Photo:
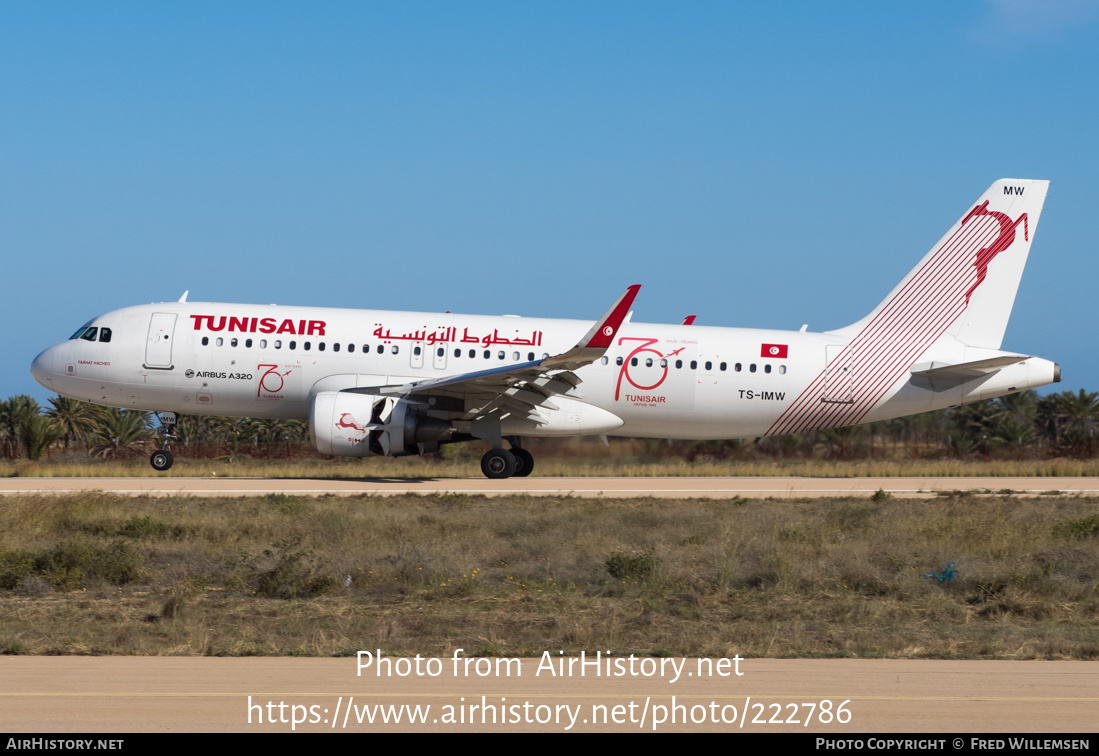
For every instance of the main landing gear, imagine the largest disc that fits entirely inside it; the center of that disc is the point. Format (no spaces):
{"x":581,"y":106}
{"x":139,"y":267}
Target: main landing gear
{"x":504,"y":463}
{"x":162,"y":459}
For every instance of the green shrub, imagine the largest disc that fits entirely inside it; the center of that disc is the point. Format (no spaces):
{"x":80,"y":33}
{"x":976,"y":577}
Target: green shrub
{"x":1085,"y":527}
{"x":145,"y":527}
{"x":633,"y":565}
{"x":296,"y":574}
{"x":14,"y":566}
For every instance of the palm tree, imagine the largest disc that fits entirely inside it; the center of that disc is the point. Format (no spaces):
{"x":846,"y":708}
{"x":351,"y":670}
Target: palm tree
{"x":38,"y":433}
{"x":121,"y":433}
{"x":1018,"y":435}
{"x":14,"y":414}
{"x":841,"y":438}
{"x":977,"y":424}
{"x":1079,"y":414}
{"x":1047,"y":418}
{"x":76,"y":418}
{"x":1020,"y":407}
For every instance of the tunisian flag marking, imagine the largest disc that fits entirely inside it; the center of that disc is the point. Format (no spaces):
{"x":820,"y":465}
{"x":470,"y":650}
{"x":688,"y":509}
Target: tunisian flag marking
{"x":774,"y":351}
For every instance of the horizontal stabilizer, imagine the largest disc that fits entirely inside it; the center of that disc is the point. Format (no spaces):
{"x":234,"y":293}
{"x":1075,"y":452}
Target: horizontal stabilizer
{"x":939,"y":376}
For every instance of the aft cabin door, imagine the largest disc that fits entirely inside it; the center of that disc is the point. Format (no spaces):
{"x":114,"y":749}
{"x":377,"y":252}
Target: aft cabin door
{"x":158,"y":350}
{"x":839,"y":375}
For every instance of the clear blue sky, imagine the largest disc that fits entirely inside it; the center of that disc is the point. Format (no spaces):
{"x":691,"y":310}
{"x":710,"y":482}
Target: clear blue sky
{"x":757,"y":164}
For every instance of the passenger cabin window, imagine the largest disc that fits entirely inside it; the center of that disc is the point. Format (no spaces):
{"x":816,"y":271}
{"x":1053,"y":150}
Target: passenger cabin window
{"x":604,"y":360}
{"x":694,"y":364}
{"x":248,"y":343}
{"x":457,"y":352}
{"x":736,"y":367}
{"x":232,"y":342}
{"x":395,"y":349}
{"x":320,"y":346}
{"x":722,"y":367}
{"x":530,"y":357}
{"x":766,"y":368}
{"x":618,"y":361}
{"x":678,"y":364}
{"x":293,"y":345}
{"x":220,"y":341}
{"x":440,"y":351}
{"x":278,"y":343}
{"x":381,"y":349}
{"x":752,"y":367}
{"x":336,"y":347}
{"x":205,"y":340}
{"x":306,"y":346}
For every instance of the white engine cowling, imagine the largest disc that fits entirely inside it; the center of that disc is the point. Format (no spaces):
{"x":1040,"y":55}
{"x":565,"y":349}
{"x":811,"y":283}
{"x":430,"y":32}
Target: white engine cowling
{"x":348,"y":424}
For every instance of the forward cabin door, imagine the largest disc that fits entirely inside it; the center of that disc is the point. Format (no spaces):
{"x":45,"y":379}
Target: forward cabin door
{"x":158,"y":349}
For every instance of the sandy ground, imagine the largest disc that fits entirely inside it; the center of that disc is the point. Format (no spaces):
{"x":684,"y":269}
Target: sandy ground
{"x":187,"y":694}
{"x":586,"y":487}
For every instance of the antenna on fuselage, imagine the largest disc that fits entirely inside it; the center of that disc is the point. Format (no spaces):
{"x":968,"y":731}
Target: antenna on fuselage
{"x":184,"y":297}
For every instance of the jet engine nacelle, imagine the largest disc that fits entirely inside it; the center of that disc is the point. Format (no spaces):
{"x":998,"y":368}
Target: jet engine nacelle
{"x":348,"y":424}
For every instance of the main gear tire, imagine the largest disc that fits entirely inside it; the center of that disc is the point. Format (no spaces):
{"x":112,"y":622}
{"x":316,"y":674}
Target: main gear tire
{"x":498,"y":464}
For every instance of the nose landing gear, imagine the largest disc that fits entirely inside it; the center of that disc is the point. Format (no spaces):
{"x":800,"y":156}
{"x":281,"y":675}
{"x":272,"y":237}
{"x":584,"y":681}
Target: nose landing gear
{"x":162,"y":459}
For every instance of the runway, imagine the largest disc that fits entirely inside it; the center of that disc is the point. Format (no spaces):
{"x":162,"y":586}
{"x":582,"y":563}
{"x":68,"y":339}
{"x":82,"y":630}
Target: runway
{"x":198,"y":694}
{"x":666,"y":488}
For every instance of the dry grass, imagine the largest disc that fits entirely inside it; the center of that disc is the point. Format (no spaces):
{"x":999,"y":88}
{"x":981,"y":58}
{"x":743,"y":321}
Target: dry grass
{"x":467,"y":465}
{"x":245,"y":576}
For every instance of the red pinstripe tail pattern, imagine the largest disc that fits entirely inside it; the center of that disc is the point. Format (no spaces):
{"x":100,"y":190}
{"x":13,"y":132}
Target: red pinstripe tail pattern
{"x":909,"y":322}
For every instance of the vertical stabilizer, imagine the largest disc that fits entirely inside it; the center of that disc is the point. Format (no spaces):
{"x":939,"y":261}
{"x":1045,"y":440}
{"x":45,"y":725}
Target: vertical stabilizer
{"x":960,"y":294}
{"x":966,"y":284}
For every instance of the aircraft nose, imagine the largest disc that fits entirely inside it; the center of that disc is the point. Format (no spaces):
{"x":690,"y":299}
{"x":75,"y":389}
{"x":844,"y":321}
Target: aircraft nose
{"x":42,"y":368}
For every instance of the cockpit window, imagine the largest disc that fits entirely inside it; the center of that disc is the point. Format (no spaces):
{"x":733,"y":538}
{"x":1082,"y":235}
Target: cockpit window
{"x":89,"y":335}
{"x":82,"y":333}
{"x":104,"y":335}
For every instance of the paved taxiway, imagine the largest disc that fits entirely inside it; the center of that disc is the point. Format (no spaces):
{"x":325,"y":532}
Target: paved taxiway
{"x":672,"y":488}
{"x":195,"y":694}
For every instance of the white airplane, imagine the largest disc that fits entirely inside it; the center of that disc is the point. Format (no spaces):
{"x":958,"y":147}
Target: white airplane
{"x":375,"y":382}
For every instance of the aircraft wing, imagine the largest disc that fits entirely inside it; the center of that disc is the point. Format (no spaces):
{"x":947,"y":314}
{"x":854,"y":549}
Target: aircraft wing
{"x":525,"y":385}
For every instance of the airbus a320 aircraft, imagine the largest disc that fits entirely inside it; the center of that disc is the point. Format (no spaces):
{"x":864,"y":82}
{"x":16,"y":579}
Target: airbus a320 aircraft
{"x":395,"y":383}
